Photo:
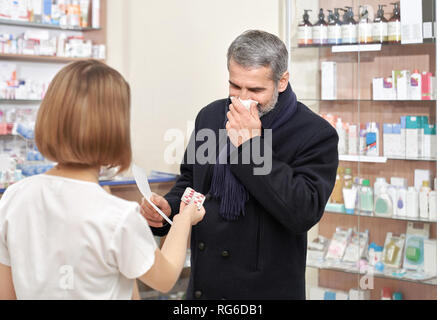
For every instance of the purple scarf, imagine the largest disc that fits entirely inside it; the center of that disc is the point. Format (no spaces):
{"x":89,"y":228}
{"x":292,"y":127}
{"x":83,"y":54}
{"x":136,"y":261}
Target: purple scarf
{"x":224,"y":185}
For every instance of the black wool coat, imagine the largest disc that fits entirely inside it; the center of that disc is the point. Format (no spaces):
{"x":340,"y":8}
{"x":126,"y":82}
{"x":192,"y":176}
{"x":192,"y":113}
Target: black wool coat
{"x":262,"y":255}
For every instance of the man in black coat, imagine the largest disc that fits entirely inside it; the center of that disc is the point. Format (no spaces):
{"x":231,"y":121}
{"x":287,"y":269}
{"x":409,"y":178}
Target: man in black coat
{"x":267,"y":183}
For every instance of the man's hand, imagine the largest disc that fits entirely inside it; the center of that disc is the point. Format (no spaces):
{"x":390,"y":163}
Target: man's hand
{"x":152,"y":216}
{"x":242,"y":124}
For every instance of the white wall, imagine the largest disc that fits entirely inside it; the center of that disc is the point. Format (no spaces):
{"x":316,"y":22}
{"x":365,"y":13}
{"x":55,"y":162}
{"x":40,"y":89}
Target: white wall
{"x":173,"y":53}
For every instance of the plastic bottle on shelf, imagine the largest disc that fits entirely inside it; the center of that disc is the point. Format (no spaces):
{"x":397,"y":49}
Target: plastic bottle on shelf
{"x":394,"y":25}
{"x":379,"y":184}
{"x":372,"y":140}
{"x":349,"y":30}
{"x":383,"y":203}
{"x":416,"y":85}
{"x":366,"y":198}
{"x":337,"y":193}
{"x":365,"y":26}
{"x":362,"y":140}
{"x":412,"y":203}
{"x":424,"y":200}
{"x":393,"y":193}
{"x":401,"y":202}
{"x":342,"y":143}
{"x":380,"y":26}
{"x":348,"y":180}
{"x":320,"y":30}
{"x":433,"y":205}
{"x":305,"y":31}
{"x":334,"y":28}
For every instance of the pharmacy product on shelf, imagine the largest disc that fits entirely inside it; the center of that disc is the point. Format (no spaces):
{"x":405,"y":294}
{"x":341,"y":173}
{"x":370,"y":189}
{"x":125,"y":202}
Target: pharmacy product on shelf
{"x":338,"y":244}
{"x":305,"y":30}
{"x":416,"y":85}
{"x":432,"y":202}
{"x":414,"y":246}
{"x":372,"y":139}
{"x":365,"y":26}
{"x":329,"y":80}
{"x":357,"y":247}
{"x":412,"y":203}
{"x":366,"y":198}
{"x":380,"y":26}
{"x":424,"y":200}
{"x":383,"y":203}
{"x":349,"y":28}
{"x":65,"y":13}
{"x":393,"y":250}
{"x":394,"y":25}
{"x":334,"y":28}
{"x":320,"y":30}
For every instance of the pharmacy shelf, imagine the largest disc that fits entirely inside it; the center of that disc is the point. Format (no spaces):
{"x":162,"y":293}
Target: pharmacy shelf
{"x":43,"y":26}
{"x":35,"y":58}
{"x":19,"y":101}
{"x":381,"y":217}
{"x":387,"y":274}
{"x":340,"y":48}
{"x":370,"y":159}
{"x":363,"y":100}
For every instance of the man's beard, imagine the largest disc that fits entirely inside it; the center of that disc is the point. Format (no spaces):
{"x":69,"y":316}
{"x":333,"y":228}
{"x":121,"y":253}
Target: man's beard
{"x":269,"y":106}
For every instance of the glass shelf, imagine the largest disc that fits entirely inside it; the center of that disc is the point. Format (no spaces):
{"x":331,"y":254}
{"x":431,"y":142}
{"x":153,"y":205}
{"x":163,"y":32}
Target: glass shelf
{"x":51,"y":59}
{"x":362,"y":100}
{"x":44,"y":26}
{"x":18,"y":101}
{"x":380,"y":217}
{"x":356,"y":47}
{"x":368,"y":159}
{"x":349,"y":268}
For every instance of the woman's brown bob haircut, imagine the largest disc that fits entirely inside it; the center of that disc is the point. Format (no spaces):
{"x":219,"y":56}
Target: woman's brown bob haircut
{"x":84,"y":119}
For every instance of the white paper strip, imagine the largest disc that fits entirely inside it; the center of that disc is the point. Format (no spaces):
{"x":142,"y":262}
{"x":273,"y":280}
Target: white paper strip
{"x":140,"y":176}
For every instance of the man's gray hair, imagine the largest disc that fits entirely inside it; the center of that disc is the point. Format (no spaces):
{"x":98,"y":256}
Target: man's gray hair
{"x":255,"y":48}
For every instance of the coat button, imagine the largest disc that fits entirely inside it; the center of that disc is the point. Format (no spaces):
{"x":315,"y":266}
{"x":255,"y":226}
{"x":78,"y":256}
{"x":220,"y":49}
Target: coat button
{"x":201,"y":246}
{"x":225,"y":254}
{"x":198,"y":294}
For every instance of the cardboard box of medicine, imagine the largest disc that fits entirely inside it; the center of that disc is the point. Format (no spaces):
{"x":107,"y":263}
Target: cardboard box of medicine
{"x":420,"y":176}
{"x":413,"y":142}
{"x":403,"y":150}
{"x":377,"y":88}
{"x":389,"y":89}
{"x":398,"y":149}
{"x":387,"y":139}
{"x":403,"y":83}
{"x":317,"y":293}
{"x":429,"y":145}
{"x":411,"y":21}
{"x":329,"y":80}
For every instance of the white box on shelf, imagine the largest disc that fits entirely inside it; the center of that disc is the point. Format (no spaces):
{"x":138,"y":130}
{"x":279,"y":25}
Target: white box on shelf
{"x":411,"y":22}
{"x":430,"y":256}
{"x":420,"y":176}
{"x":403,"y":83}
{"x":413,"y":142}
{"x":378,"y":88}
{"x":317,"y":293}
{"x":359,"y":294}
{"x":387,"y":139}
{"x":329,"y":80}
{"x":95,"y":14}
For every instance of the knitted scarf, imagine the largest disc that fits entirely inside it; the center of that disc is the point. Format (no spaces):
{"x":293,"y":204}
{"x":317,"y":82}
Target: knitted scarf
{"x":224,"y":186}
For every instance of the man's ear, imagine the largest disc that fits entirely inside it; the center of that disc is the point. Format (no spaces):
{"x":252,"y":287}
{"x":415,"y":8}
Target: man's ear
{"x":283,"y":82}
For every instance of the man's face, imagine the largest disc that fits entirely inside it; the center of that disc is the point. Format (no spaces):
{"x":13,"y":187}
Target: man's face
{"x":253,"y":84}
